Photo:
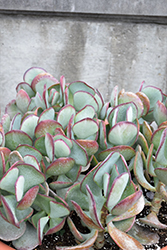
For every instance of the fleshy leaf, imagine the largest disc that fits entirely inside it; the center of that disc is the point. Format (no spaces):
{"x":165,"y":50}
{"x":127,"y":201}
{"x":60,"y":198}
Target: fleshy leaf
{"x":156,"y":137}
{"x":85,"y":128}
{"x":92,"y":208}
{"x":147,"y":132}
{"x":149,"y":161}
{"x":46,"y":126}
{"x":29,"y":150}
{"x":56,"y":224}
{"x":74,"y":230}
{"x":105,"y":166}
{"x":87,"y":111}
{"x":2,"y":165}
{"x":49,"y":146}
{"x":40,"y":229}
{"x":43,"y":201}
{"x":9,"y":204}
{"x":74,"y":194}
{"x":143,"y":234}
{"x":28,"y":240}
{"x":39,"y":101}
{"x":31,"y":73}
{"x":27,"y":170}
{"x":142,"y":142}
{"x":74,"y":173}
{"x":90,"y":146}
{"x":29,"y":124}
{"x":5,"y":120}
{"x":25,"y":214}
{"x":11,"y":109}
{"x":123,"y":112}
{"x":55,"y":95}
{"x":125,"y":97}
{"x":41,"y":80}
{"x":61,"y":148}
{"x":125,"y":225}
{"x":22,"y":100}
{"x":25,"y":86}
{"x":8,"y":181}
{"x":16,"y":137}
{"x":28,"y":198}
{"x":65,"y":114}
{"x":161,"y":173}
{"x":83,"y":98}
{"x":96,"y":190}
{"x":102,"y":135}
{"x":78,"y":153}
{"x":123,"y":133}
{"x":64,"y":138}
{"x":160,"y":112}
{"x":127,"y":152}
{"x":39,"y":144}
{"x":32,"y":160}
{"x":123,"y":240}
{"x":78,"y":86}
{"x":154,"y":94}
{"x":58,"y":209}
{"x":16,"y":122}
{"x":2,"y":139}
{"x":6,"y":152}
{"x":161,"y":155}
{"x":139,"y":173}
{"x":60,"y":166}
{"x":103,"y":112}
{"x":62,"y":182}
{"x":7,"y":227}
{"x":45,"y":96}
{"x":145,"y":101}
{"x":47,"y":114}
{"x":132,"y":211}
{"x":152,"y":220}
{"x":19,"y":188}
{"x":117,"y":189}
{"x":86,"y":219}
{"x":126,"y":203}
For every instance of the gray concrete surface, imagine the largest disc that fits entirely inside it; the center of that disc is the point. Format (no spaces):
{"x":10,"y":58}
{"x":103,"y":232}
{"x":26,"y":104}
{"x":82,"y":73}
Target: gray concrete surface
{"x":121,"y":7}
{"x":103,"y":52}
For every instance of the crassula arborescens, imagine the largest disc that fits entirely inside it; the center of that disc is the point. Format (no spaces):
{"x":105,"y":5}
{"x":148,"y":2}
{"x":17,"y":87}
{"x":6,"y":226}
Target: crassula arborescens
{"x":63,"y":149}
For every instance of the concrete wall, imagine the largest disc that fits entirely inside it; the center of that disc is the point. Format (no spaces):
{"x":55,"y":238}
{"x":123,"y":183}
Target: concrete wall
{"x":104,"y":43}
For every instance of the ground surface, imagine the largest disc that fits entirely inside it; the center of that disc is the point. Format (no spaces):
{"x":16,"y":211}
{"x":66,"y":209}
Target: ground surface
{"x":66,"y":238}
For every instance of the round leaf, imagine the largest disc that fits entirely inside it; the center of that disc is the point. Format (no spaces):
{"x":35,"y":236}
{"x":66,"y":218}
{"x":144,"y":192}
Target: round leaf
{"x":30,"y":74}
{"x":22,"y":100}
{"x":82,"y":98}
{"x":61,"y":148}
{"x":46,"y":126}
{"x":9,"y":232}
{"x":29,"y":124}
{"x":65,"y":114}
{"x":85,"y":128}
{"x":16,"y":137}
{"x":60,"y":166}
{"x":123,"y":133}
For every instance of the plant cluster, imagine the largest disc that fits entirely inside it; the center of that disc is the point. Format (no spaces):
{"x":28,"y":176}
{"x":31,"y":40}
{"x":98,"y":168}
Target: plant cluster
{"x":63,"y":149}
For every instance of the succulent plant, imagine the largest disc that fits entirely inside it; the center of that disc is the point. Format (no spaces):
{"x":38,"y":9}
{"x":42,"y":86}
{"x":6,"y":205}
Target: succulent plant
{"x":63,"y":149}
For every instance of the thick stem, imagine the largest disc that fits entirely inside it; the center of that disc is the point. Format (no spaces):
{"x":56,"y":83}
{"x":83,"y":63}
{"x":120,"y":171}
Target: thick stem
{"x":156,"y":202}
{"x":100,"y":238}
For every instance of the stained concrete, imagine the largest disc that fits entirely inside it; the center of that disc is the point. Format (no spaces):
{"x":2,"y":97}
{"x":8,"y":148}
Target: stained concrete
{"x":103,"y":52}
